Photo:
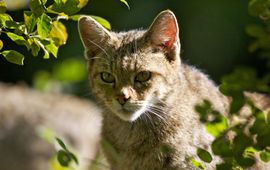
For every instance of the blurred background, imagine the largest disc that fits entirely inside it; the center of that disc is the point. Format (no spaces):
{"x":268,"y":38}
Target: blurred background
{"x":212,"y":34}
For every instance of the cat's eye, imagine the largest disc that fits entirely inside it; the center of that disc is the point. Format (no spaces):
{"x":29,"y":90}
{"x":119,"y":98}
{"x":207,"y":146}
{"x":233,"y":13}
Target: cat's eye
{"x":143,"y":76}
{"x":107,"y":77}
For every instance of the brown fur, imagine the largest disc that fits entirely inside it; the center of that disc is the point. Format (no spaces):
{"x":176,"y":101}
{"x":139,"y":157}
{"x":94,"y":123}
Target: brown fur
{"x":157,"y":113}
{"x":174,"y":89}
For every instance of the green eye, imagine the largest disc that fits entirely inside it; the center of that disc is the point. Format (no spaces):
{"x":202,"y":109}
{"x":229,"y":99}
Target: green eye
{"x":107,"y":77}
{"x":143,"y":76}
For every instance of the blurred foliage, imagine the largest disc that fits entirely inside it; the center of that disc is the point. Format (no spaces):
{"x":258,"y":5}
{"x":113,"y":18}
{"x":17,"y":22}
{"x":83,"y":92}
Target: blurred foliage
{"x":64,"y":158}
{"x":63,"y":77}
{"x":260,"y":32}
{"x":248,"y":138}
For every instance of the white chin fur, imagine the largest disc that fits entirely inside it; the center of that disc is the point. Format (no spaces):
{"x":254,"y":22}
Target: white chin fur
{"x":132,"y":117}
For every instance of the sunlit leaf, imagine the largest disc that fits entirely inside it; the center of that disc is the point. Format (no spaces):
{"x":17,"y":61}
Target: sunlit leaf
{"x":13,"y":56}
{"x":250,"y":152}
{"x":197,"y":164}
{"x":35,"y":48}
{"x":63,"y":158}
{"x":1,"y":44}
{"x":125,"y":2}
{"x":265,"y":156}
{"x":55,"y":165}
{"x":3,"y":6}
{"x":217,"y":128}
{"x":204,"y":155}
{"x":102,"y":21}
{"x":29,"y":20}
{"x":46,"y":53}
{"x":44,"y":25}
{"x":83,"y":3}
{"x":50,"y":47}
{"x":46,"y":134}
{"x":69,"y":7}
{"x":59,"y":33}
{"x":75,"y":17}
{"x":4,"y":18}
{"x":16,"y":38}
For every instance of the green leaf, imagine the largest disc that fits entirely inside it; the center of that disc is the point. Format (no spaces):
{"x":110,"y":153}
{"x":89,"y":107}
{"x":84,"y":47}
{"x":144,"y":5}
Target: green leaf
{"x":125,"y":2}
{"x":1,"y":44}
{"x":37,"y":7}
{"x":44,"y":26}
{"x":59,"y":33}
{"x":217,"y":128}
{"x":4,"y":18}
{"x":74,"y":158}
{"x":197,"y":164}
{"x":50,"y":47}
{"x":40,"y":44}
{"x":221,"y":147}
{"x":260,"y":125}
{"x":68,"y":7}
{"x":265,"y":156}
{"x":224,"y":166}
{"x":75,"y":17}
{"x":13,"y":56}
{"x":245,"y":162}
{"x":3,"y":6}
{"x":241,"y":142}
{"x":35,"y":48}
{"x":30,"y":21}
{"x":259,"y":8}
{"x":16,"y":38}
{"x":102,"y":21}
{"x":255,"y":31}
{"x":204,"y":155}
{"x":63,"y":158}
{"x":62,"y":144}
{"x":250,"y":152}
{"x":204,"y":109}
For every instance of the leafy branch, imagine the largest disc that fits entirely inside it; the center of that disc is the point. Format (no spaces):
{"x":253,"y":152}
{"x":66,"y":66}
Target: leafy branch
{"x":41,"y":29}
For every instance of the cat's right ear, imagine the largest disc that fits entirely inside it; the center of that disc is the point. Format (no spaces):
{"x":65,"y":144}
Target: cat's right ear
{"x":93,"y":35}
{"x":163,"y":34}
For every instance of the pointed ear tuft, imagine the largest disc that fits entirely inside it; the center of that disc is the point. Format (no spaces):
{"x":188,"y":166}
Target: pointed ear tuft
{"x":163,"y":33}
{"x":93,"y":35}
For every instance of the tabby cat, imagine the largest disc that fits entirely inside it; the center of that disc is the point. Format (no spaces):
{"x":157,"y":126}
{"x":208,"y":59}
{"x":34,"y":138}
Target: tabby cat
{"x":148,"y":95}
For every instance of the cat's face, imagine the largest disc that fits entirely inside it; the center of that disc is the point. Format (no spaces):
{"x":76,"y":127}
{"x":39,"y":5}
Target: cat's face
{"x":132,"y":73}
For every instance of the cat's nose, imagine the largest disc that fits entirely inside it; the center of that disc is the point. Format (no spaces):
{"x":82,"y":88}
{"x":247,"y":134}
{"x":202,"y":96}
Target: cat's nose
{"x":122,"y":99}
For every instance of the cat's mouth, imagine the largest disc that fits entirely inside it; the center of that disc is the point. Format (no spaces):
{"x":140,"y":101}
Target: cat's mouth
{"x":129,"y":112}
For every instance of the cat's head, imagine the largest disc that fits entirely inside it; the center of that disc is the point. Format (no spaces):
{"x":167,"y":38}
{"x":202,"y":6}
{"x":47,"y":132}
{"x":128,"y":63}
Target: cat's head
{"x":133,"y":73}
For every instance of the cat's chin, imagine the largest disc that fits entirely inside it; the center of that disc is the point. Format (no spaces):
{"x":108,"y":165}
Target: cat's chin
{"x":130,"y":115}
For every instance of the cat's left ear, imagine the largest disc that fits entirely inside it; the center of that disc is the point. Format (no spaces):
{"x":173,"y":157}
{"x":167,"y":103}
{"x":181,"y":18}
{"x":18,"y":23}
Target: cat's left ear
{"x":163,"y":34}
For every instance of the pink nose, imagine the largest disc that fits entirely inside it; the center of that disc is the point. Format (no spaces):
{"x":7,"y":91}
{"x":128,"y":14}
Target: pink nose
{"x":122,"y":99}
